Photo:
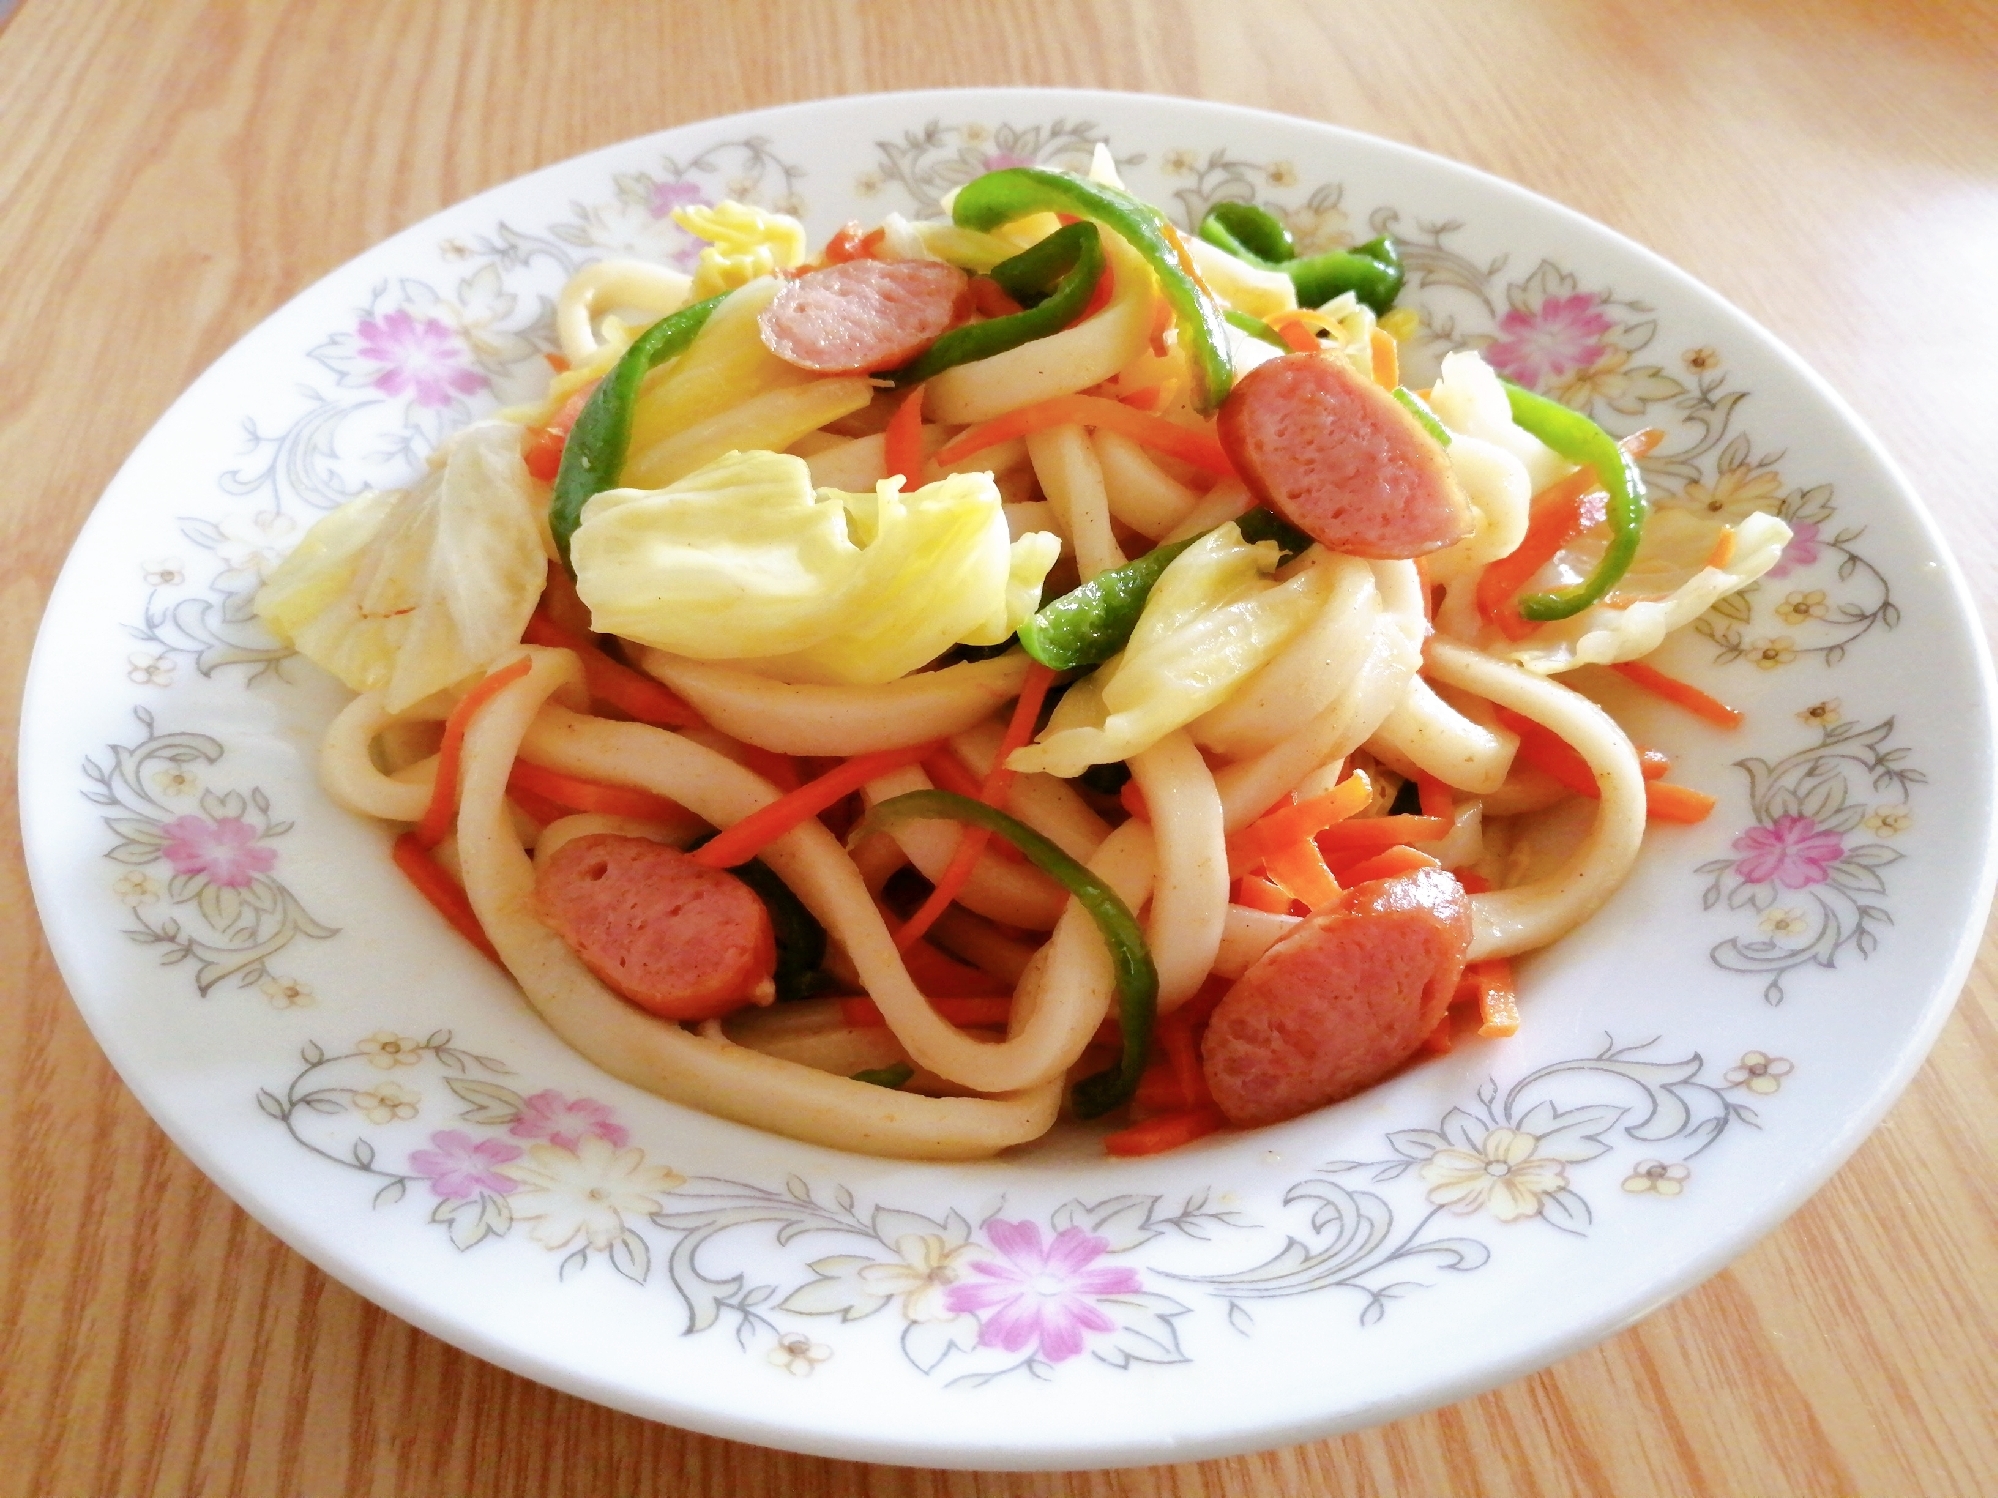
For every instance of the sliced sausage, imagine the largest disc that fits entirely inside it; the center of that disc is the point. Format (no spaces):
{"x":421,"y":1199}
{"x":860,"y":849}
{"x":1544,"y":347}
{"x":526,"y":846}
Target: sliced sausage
{"x":1341,"y":1001}
{"x":864,"y":315}
{"x":675,"y":937}
{"x":1339,"y":458}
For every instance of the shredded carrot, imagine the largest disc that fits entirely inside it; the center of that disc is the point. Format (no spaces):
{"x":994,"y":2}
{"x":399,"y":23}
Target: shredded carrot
{"x":779,"y":769}
{"x":971,"y":842}
{"x":1132,"y":799}
{"x":1168,"y":1131}
{"x":442,"y":891}
{"x":1682,"y":694}
{"x":747,"y":838}
{"x":535,"y":805}
{"x":903,"y":441}
{"x":1400,"y":859}
{"x":1292,"y":824}
{"x":1369,"y":835}
{"x":632,"y":693}
{"x":1664,"y":802}
{"x":557,"y":362}
{"x":443,"y":807}
{"x":1148,"y":399}
{"x":579,"y":794}
{"x":1653,"y":764}
{"x":1186,"y":261}
{"x":1723,"y":551}
{"x":1438,"y":800}
{"x":1547,"y":751}
{"x":990,"y":298}
{"x":542,"y":451}
{"x":1200,"y":448}
{"x":1561,"y":512}
{"x":1498,"y":998}
{"x":1387,"y":359}
{"x":1162,"y":321}
{"x":1296,"y":336}
{"x":1257,"y":893}
{"x":990,"y":1011}
{"x":1474,"y":884}
{"x":1299,"y":869}
{"x":951,"y":774}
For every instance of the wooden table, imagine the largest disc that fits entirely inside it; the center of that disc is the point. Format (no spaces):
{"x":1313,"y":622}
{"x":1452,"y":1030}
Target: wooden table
{"x":171,"y":170}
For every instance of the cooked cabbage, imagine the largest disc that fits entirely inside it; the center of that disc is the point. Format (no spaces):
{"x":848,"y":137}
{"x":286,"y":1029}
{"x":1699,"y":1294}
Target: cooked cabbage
{"x":416,"y":590}
{"x":1214,"y":616}
{"x":744,"y":561}
{"x":1469,"y":399}
{"x":743,"y":243}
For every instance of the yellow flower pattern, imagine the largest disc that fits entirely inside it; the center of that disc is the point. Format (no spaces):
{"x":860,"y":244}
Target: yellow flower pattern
{"x":387,"y":1102}
{"x":1656,"y":1178}
{"x":1759,"y":1072}
{"x":1504,"y":1175}
{"x":1768,"y":654}
{"x":387,"y":1050}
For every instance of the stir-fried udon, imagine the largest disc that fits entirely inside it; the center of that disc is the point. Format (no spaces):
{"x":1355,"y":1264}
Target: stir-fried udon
{"x":1023,"y":662}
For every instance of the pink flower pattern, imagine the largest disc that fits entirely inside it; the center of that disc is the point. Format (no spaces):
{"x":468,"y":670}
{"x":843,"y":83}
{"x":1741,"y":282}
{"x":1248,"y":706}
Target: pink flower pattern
{"x":999,"y":161}
{"x":1564,"y":335}
{"x":459,"y":1167}
{"x":1793,"y":852}
{"x":419,"y":357}
{"x":567,"y":1122}
{"x":1040,"y":1294}
{"x":223,"y":851}
{"x":1801,"y":551}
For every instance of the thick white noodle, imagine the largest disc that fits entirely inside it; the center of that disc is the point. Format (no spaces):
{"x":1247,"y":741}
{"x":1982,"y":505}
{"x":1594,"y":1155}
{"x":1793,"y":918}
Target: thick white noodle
{"x":854,"y":465}
{"x":1304,"y":677}
{"x":793,"y":718}
{"x":702,"y":1071}
{"x":1246,"y":935}
{"x":1142,"y":495}
{"x":1065,"y":463}
{"x":1249,"y":788}
{"x":1225,"y":501}
{"x":1074,"y":971}
{"x":1084,"y":355}
{"x":608,"y":286}
{"x":1016,"y":893}
{"x":1531,"y":915}
{"x":1432,"y":735}
{"x":1190,"y":891}
{"x":347,"y":770}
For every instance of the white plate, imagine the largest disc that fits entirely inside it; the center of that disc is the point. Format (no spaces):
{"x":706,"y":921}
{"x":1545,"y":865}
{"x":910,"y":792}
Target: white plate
{"x":1694,"y":1063}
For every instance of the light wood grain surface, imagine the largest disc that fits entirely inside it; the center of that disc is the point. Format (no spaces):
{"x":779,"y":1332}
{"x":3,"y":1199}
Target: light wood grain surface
{"x":171,"y":170}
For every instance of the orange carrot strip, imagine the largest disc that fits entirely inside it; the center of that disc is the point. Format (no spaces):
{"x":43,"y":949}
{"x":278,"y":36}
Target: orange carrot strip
{"x":1257,"y":893}
{"x":1438,"y":800}
{"x":779,"y":769}
{"x":951,"y":774}
{"x":1148,"y":399}
{"x":542,"y":451}
{"x":1296,"y":337}
{"x":971,"y":842}
{"x":1397,"y":860}
{"x":747,"y":838}
{"x":1543,"y":749}
{"x":1166,"y":1132}
{"x":1681,"y":693}
{"x":1299,"y":869}
{"x":1132,"y":799}
{"x":442,"y":891}
{"x":535,"y":805}
{"x":1654,"y":764}
{"x":1290,"y":824}
{"x":443,"y":807}
{"x":991,"y":1011}
{"x":1441,"y":1040}
{"x":1474,"y":884}
{"x":1561,"y":512}
{"x":1664,"y":802}
{"x":1387,"y":359}
{"x":1200,"y":448}
{"x":632,"y":693}
{"x":991,"y":299}
{"x":903,"y":441}
{"x":1498,"y":998}
{"x":579,"y":794}
{"x":1369,"y":835}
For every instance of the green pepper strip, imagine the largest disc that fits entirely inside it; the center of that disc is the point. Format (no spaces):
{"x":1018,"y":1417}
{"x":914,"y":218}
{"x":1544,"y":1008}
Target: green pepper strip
{"x":893,"y":1077}
{"x":593,"y":457}
{"x":1075,"y":254}
{"x":997,"y":198}
{"x":1417,"y":407}
{"x":1580,"y":440}
{"x":1372,"y":271}
{"x":1255,"y":327}
{"x":1089,"y":624}
{"x":1137,"y":978}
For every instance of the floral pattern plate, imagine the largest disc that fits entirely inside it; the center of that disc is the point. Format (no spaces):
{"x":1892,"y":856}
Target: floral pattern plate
{"x":1694,"y":1063}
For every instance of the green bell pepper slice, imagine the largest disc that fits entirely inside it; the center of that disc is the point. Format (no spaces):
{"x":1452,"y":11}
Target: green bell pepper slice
{"x":1372,"y":271}
{"x":593,"y":457}
{"x":997,"y":198}
{"x":1071,"y":258}
{"x":1580,"y":440}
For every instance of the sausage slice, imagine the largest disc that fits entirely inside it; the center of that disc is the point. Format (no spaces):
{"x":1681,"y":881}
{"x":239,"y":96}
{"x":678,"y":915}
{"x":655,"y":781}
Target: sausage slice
{"x":1340,"y":1002}
{"x":864,"y":315}
{"x":675,"y":937}
{"x":1338,"y":457}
